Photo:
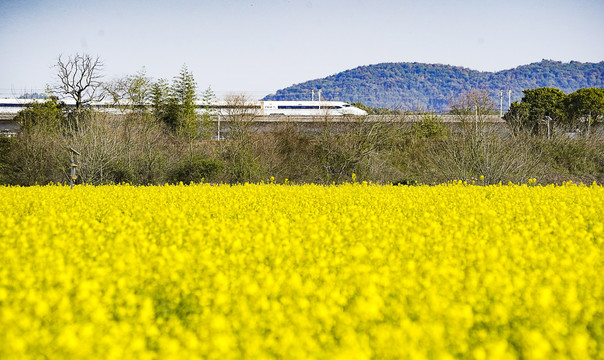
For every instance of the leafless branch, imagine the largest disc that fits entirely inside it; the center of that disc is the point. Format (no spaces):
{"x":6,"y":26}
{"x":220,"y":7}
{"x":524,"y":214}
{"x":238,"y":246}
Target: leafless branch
{"x":79,"y":78}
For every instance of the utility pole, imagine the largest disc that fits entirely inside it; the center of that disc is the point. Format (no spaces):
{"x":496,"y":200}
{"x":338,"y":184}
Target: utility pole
{"x":74,"y":165}
{"x":312,"y":95}
{"x":476,"y":119}
{"x":500,"y":103}
{"x":319,"y":99}
{"x":547,"y":120}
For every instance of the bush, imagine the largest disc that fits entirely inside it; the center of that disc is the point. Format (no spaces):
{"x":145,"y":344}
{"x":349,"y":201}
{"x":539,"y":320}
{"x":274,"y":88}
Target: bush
{"x":194,"y":169}
{"x":242,"y":164}
{"x":120,"y":173}
{"x":469,"y":156}
{"x":579,"y":157}
{"x":429,"y":127}
{"x":405,"y":182}
{"x":5,"y":166}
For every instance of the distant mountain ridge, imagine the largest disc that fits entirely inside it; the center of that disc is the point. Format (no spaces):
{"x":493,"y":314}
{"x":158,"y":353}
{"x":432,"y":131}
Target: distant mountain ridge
{"x":420,"y":86}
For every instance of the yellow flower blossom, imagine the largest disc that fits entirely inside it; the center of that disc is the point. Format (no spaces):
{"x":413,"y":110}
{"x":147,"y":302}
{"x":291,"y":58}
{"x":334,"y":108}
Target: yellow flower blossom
{"x":353,"y":271}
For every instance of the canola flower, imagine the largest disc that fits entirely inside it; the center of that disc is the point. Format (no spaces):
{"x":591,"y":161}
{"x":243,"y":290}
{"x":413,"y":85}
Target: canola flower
{"x":353,"y":271}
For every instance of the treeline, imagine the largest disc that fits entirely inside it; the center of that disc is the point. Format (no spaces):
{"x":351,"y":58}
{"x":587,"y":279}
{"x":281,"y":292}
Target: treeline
{"x":433,"y":87}
{"x":575,"y":112}
{"x":138,"y":147}
{"x":156,"y":137}
{"x":168,"y":142}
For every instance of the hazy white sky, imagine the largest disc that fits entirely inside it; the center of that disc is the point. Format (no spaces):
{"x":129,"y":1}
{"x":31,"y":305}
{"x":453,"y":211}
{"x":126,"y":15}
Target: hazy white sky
{"x":260,"y":46}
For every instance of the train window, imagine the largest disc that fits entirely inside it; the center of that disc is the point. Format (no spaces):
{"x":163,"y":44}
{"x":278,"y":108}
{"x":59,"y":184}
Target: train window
{"x":304,"y":107}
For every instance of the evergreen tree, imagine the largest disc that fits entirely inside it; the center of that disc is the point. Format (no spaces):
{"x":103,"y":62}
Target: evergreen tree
{"x":585,"y":105}
{"x":184,"y":97}
{"x":160,"y":91}
{"x":48,"y":116}
{"x":208,"y":99}
{"x":536,"y":106}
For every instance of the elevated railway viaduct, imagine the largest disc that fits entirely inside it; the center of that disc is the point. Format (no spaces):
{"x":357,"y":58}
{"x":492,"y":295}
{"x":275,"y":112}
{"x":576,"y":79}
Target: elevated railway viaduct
{"x":313,"y":124}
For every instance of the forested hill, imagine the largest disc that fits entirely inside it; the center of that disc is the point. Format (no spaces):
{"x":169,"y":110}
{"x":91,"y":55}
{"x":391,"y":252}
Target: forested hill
{"x":418,"y":86}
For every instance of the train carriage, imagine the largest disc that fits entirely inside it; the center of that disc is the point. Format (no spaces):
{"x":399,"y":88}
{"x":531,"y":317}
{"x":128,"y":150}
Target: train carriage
{"x":259,"y":108}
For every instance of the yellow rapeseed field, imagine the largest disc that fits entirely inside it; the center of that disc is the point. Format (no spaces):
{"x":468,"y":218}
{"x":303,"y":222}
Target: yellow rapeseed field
{"x":352,"y":271}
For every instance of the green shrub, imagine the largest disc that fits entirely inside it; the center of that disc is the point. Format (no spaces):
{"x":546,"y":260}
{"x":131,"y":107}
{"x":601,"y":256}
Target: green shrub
{"x":6,"y":167}
{"x":581,"y":156}
{"x":429,"y":127}
{"x":120,"y":173}
{"x":195,"y":169}
{"x":405,"y":182}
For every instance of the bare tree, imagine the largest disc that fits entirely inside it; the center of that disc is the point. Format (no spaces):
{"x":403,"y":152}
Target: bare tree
{"x":472,"y":108}
{"x":79,"y":78}
{"x":100,"y":144}
{"x":240,"y":114}
{"x":342,"y":150}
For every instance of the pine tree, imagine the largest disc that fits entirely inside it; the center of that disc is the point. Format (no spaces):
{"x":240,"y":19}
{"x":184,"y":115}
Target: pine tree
{"x":183,"y":95}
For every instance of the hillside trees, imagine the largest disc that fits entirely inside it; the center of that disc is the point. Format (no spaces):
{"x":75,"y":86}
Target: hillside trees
{"x":428,"y":86}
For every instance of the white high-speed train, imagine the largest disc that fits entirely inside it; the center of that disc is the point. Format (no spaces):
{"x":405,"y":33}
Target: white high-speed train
{"x":259,"y":108}
{"x":308,"y":108}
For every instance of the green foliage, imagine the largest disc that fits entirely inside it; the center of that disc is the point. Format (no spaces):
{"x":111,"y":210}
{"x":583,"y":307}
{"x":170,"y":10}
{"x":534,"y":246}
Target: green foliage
{"x":119,"y":173}
{"x":184,"y":97}
{"x":517,"y":118}
{"x":131,"y":93}
{"x":160,"y":91}
{"x":578,"y":157}
{"x":544,"y":102}
{"x":194,"y":169}
{"x":415,"y":86}
{"x":405,"y":182}
{"x":175,"y":105}
{"x":585,"y":104}
{"x":48,"y":115}
{"x":375,"y":110}
{"x":6,"y":167}
{"x":206,"y":128}
{"x":241,"y":162}
{"x":538,"y":105}
{"x":429,"y":126}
